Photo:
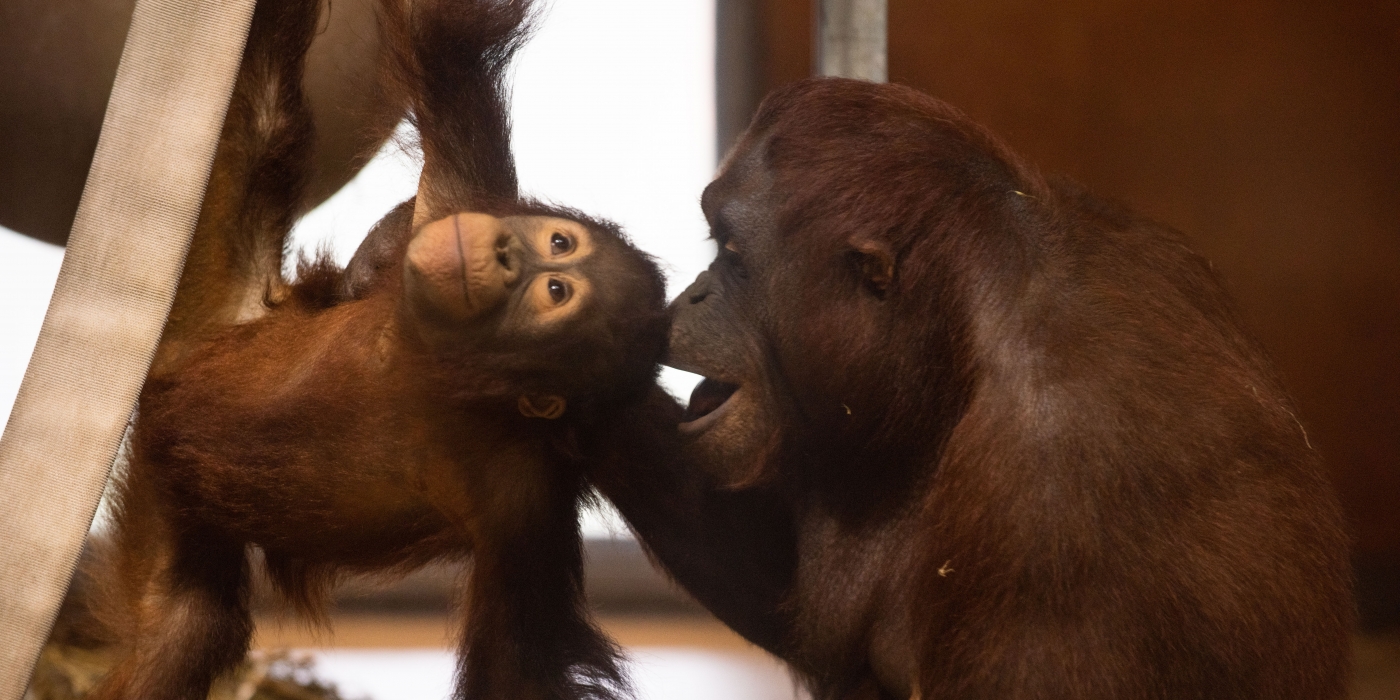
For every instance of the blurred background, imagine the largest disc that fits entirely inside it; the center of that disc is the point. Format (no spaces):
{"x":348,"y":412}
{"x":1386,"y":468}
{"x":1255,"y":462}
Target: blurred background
{"x":1266,"y":130}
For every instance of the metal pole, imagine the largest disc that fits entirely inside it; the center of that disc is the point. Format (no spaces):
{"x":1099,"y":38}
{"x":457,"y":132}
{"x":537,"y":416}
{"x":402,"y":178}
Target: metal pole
{"x":851,"y":39}
{"x":740,"y":69}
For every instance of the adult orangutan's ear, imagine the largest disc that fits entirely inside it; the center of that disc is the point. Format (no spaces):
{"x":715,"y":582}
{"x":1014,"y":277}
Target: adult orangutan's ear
{"x":548,"y":406}
{"x":876,"y":263}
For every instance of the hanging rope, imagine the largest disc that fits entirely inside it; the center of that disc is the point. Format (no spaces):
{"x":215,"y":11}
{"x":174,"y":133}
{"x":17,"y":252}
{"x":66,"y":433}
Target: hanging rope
{"x":114,"y":291}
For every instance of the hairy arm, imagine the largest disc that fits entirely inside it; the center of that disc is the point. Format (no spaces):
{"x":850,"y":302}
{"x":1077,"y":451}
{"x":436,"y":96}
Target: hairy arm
{"x":734,"y":551}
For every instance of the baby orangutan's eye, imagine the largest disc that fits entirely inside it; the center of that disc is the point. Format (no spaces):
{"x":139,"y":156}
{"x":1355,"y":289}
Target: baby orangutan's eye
{"x":558,"y":289}
{"x":555,"y":296}
{"x":560,"y":244}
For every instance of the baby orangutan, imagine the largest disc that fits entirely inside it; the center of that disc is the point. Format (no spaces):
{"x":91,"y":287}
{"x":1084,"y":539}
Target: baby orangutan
{"x":432,"y":400}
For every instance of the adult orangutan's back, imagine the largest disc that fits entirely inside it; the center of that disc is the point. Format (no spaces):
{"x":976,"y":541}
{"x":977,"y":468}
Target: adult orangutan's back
{"x":1151,"y":520}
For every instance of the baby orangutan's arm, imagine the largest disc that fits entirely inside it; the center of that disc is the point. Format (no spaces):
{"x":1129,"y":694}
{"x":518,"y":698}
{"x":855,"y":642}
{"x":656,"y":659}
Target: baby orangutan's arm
{"x":423,"y":403}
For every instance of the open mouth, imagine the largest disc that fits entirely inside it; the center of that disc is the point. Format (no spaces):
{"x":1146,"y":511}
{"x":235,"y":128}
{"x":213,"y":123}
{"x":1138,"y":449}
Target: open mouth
{"x":707,"y":404}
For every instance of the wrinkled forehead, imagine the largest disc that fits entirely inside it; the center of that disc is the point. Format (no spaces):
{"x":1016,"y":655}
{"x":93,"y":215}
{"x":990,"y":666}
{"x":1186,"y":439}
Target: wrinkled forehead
{"x":745,"y":175}
{"x":748,"y":157}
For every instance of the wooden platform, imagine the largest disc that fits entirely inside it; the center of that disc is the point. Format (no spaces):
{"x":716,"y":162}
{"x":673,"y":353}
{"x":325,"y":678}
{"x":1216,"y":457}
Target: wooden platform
{"x":436,"y":631}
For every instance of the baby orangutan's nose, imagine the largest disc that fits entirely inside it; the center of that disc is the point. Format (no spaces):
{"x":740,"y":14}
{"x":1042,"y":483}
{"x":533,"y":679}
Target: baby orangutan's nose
{"x":460,"y":266}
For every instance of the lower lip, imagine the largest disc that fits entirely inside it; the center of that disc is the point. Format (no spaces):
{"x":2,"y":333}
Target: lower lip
{"x":700,"y":424}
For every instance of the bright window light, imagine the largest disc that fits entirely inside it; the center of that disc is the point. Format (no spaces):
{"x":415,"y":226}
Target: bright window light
{"x":28,"y":270}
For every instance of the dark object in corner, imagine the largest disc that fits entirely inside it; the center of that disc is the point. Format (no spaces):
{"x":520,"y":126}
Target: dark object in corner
{"x":1378,"y":593}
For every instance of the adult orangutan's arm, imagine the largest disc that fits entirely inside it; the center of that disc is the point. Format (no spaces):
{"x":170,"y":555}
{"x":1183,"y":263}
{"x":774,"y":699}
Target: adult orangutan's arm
{"x":733,"y":550}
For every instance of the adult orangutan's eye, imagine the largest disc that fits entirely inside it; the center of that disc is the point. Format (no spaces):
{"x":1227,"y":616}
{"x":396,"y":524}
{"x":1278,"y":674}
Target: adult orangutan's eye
{"x":560,"y":244}
{"x":558,"y":289}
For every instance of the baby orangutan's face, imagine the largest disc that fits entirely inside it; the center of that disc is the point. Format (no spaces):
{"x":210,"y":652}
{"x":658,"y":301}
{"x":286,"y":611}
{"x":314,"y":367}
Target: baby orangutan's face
{"x":517,"y":275}
{"x":517,"y":283}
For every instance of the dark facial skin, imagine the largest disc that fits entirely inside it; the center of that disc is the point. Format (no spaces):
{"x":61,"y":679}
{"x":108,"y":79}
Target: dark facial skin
{"x":717,"y":334}
{"x":735,"y":325}
{"x":756,"y":321}
{"x":967,"y":432}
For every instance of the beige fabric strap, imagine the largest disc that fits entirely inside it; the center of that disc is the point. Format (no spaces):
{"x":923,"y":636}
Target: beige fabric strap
{"x":114,"y":291}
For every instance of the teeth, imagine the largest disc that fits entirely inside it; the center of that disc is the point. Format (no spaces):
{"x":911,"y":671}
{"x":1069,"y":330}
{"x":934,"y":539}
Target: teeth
{"x":679,"y":383}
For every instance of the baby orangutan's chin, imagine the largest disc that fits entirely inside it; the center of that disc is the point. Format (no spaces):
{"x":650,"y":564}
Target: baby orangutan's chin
{"x":452,"y":271}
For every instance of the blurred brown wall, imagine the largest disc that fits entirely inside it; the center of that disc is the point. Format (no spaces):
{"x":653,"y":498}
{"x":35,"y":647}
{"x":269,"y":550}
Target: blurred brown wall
{"x":1267,"y":131}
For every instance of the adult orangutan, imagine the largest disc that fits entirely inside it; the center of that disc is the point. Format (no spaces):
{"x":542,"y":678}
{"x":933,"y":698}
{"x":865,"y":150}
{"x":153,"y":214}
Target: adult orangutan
{"x":424,"y":403}
{"x":968,"y":432}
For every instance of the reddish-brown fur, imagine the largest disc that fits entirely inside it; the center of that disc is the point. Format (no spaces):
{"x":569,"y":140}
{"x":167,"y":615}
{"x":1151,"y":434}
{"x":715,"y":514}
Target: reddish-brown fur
{"x":993,"y":438}
{"x":318,"y":421}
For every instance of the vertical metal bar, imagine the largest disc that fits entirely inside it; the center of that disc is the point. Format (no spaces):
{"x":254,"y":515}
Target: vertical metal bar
{"x":739,"y":67}
{"x":851,"y":39}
